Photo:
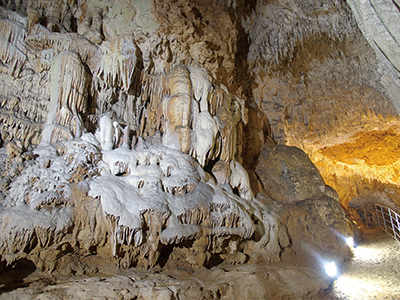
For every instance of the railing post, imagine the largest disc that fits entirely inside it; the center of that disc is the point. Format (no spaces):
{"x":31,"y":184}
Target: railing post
{"x":391,"y":222}
{"x":384,"y":219}
{"x":393,"y":218}
{"x":395,"y":225}
{"x":377,"y":215}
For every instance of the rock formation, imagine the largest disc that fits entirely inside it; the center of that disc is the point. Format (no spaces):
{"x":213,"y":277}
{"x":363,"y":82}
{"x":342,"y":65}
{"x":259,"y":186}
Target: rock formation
{"x":328,"y":82}
{"x":197,"y":138}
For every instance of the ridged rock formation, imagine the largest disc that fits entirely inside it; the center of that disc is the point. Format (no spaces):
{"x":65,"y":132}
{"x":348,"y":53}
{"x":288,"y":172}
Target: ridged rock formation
{"x":379,"y":21}
{"x":181,"y":136}
{"x":326,"y":76}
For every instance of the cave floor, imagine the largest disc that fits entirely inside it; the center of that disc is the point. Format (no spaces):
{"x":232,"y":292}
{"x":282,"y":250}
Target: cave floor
{"x":293,"y":279}
{"x":374,"y":271}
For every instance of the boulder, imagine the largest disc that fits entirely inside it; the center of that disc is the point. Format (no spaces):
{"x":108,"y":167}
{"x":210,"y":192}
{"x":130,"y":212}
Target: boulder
{"x":289,"y":176}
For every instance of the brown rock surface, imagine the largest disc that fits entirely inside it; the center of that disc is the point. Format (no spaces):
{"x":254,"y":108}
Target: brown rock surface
{"x":291,"y":280}
{"x":288,"y":175}
{"x":320,"y":83}
{"x":136,"y":134}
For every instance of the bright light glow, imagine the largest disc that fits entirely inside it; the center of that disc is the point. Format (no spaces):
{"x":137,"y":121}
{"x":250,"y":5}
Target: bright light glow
{"x":367,"y":254}
{"x":330,"y":269}
{"x":353,"y":285}
{"x":373,"y":271}
{"x":350,"y":242}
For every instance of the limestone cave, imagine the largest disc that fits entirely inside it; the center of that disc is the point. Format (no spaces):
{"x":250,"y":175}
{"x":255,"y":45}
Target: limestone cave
{"x":205,"y":149}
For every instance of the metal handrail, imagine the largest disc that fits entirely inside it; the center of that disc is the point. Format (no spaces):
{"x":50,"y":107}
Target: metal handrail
{"x":389,"y":220}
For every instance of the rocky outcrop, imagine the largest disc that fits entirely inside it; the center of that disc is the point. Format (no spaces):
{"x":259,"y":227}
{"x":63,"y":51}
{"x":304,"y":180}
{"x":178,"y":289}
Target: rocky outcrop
{"x":324,"y":74}
{"x":289,"y":176}
{"x":308,"y":208}
{"x":379,"y":23}
{"x":228,"y":282}
{"x":152,"y":207}
{"x":136,"y":136}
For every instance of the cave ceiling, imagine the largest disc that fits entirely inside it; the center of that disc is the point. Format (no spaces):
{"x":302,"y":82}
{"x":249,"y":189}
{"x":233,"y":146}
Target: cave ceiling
{"x":193,"y":108}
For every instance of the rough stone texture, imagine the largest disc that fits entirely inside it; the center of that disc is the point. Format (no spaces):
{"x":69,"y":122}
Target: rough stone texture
{"x":324,"y":73}
{"x":362,"y":163}
{"x":311,"y":67}
{"x":288,"y":175}
{"x":136,"y":134}
{"x":379,"y":22}
{"x":297,"y":279}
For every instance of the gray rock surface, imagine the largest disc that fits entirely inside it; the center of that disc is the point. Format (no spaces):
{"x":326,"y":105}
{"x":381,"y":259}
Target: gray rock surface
{"x":379,"y":22}
{"x":298,"y":279}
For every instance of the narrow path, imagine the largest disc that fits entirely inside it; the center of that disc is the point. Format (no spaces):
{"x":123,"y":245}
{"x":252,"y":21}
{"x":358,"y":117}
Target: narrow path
{"x":374,"y":271}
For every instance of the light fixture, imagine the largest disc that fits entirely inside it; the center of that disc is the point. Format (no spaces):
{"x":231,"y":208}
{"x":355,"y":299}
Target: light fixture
{"x":350,"y":242}
{"x":330,"y":269}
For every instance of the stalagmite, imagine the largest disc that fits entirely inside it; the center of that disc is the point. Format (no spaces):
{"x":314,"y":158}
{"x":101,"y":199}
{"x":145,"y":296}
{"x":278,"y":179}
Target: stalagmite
{"x":202,"y":87}
{"x":222,"y":172}
{"x":172,"y":184}
{"x":105,"y":133}
{"x":125,"y":139}
{"x":42,"y":194}
{"x":205,"y":130}
{"x":240,"y":179}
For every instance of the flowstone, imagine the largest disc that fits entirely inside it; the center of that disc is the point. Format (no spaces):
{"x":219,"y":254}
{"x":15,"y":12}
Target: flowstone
{"x":150,"y":199}
{"x":127,"y":122}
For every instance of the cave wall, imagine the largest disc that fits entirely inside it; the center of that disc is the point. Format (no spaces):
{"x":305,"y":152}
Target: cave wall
{"x":325,"y":74}
{"x":159,"y":117}
{"x":120,"y":107}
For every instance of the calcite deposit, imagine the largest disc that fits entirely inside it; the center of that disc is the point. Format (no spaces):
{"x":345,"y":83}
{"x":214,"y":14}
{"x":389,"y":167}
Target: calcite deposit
{"x":191,"y":139}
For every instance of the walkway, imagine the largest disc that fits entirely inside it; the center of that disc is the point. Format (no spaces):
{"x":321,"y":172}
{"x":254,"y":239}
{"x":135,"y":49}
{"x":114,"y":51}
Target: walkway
{"x":374,"y":272}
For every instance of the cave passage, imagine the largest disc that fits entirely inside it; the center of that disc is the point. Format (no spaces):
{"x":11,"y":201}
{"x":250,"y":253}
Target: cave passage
{"x":373,"y":273}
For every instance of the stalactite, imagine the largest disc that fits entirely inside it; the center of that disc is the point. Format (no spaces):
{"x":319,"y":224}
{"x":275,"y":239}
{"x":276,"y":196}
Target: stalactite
{"x":154,"y":90}
{"x":91,"y":23}
{"x":26,"y":131}
{"x":12,"y":36}
{"x":69,"y":88}
{"x":177,"y":109}
{"x":50,"y":44}
{"x":115,"y":63}
{"x":153,"y":176}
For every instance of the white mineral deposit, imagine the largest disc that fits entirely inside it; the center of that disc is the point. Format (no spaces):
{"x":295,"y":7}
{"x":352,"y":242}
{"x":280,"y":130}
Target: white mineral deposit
{"x":197,"y":149}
